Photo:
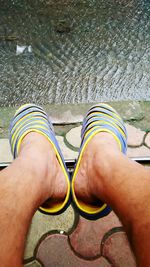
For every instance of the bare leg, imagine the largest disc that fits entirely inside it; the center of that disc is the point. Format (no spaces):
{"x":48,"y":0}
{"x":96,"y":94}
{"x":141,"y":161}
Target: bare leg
{"x":106,"y":174}
{"x":31,"y":179}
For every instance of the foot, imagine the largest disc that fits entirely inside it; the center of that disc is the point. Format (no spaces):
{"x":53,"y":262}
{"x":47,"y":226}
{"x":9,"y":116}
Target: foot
{"x":40,"y":157}
{"x":95,"y":164}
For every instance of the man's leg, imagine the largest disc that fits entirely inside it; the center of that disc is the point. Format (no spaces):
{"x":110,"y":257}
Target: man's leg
{"x":106,"y":174}
{"x":30,"y":180}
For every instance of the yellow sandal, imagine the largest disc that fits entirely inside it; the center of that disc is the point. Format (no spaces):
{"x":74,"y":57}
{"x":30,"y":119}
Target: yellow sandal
{"x":100,"y":118}
{"x":32,"y":118}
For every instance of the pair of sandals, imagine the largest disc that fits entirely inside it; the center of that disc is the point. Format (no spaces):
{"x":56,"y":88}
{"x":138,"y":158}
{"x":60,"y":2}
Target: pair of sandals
{"x":100,"y":118}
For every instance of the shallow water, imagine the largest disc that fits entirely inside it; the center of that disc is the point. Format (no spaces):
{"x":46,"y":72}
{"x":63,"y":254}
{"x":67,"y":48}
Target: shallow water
{"x":74,"y":51}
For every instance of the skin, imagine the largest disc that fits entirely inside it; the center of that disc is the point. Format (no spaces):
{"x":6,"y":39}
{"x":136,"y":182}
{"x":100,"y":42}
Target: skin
{"x":104,"y":173}
{"x":22,"y":182}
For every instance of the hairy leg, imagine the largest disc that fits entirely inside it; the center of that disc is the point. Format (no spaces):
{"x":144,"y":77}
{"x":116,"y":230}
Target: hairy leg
{"x":106,"y":174}
{"x":30,"y":180}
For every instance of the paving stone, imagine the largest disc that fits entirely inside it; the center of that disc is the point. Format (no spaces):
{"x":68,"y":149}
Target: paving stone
{"x":5,"y":152}
{"x":117,"y":250}
{"x":42,"y":224}
{"x":68,"y":153}
{"x":142,"y":151}
{"x":147,"y":140}
{"x":135,"y":135}
{"x":73,"y":136}
{"x":87,"y":237}
{"x":33,"y":264}
{"x":55,"y":251}
{"x":129,"y":110}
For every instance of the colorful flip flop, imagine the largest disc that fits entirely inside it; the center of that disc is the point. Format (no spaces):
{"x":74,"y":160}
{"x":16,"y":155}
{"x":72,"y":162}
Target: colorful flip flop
{"x":32,"y":118}
{"x":100,"y":118}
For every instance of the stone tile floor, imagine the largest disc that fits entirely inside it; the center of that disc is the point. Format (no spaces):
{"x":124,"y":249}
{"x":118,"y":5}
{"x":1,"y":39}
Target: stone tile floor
{"x":70,"y":240}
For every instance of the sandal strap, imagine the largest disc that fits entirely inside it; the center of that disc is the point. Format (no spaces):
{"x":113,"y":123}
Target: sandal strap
{"x":102,"y":117}
{"x":31,"y":118}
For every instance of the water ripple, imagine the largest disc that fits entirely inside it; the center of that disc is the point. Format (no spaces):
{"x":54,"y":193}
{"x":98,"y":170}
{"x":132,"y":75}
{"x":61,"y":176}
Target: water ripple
{"x":75,"y":51}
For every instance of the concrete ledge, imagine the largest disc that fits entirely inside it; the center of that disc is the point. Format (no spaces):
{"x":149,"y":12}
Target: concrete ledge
{"x":5,"y":152}
{"x":134,"y":112}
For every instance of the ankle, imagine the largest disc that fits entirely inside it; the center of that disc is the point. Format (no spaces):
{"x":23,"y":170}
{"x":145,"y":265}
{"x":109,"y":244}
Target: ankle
{"x":42,"y":161}
{"x":36,"y":155}
{"x":104,"y":149}
{"x":102,"y":170}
